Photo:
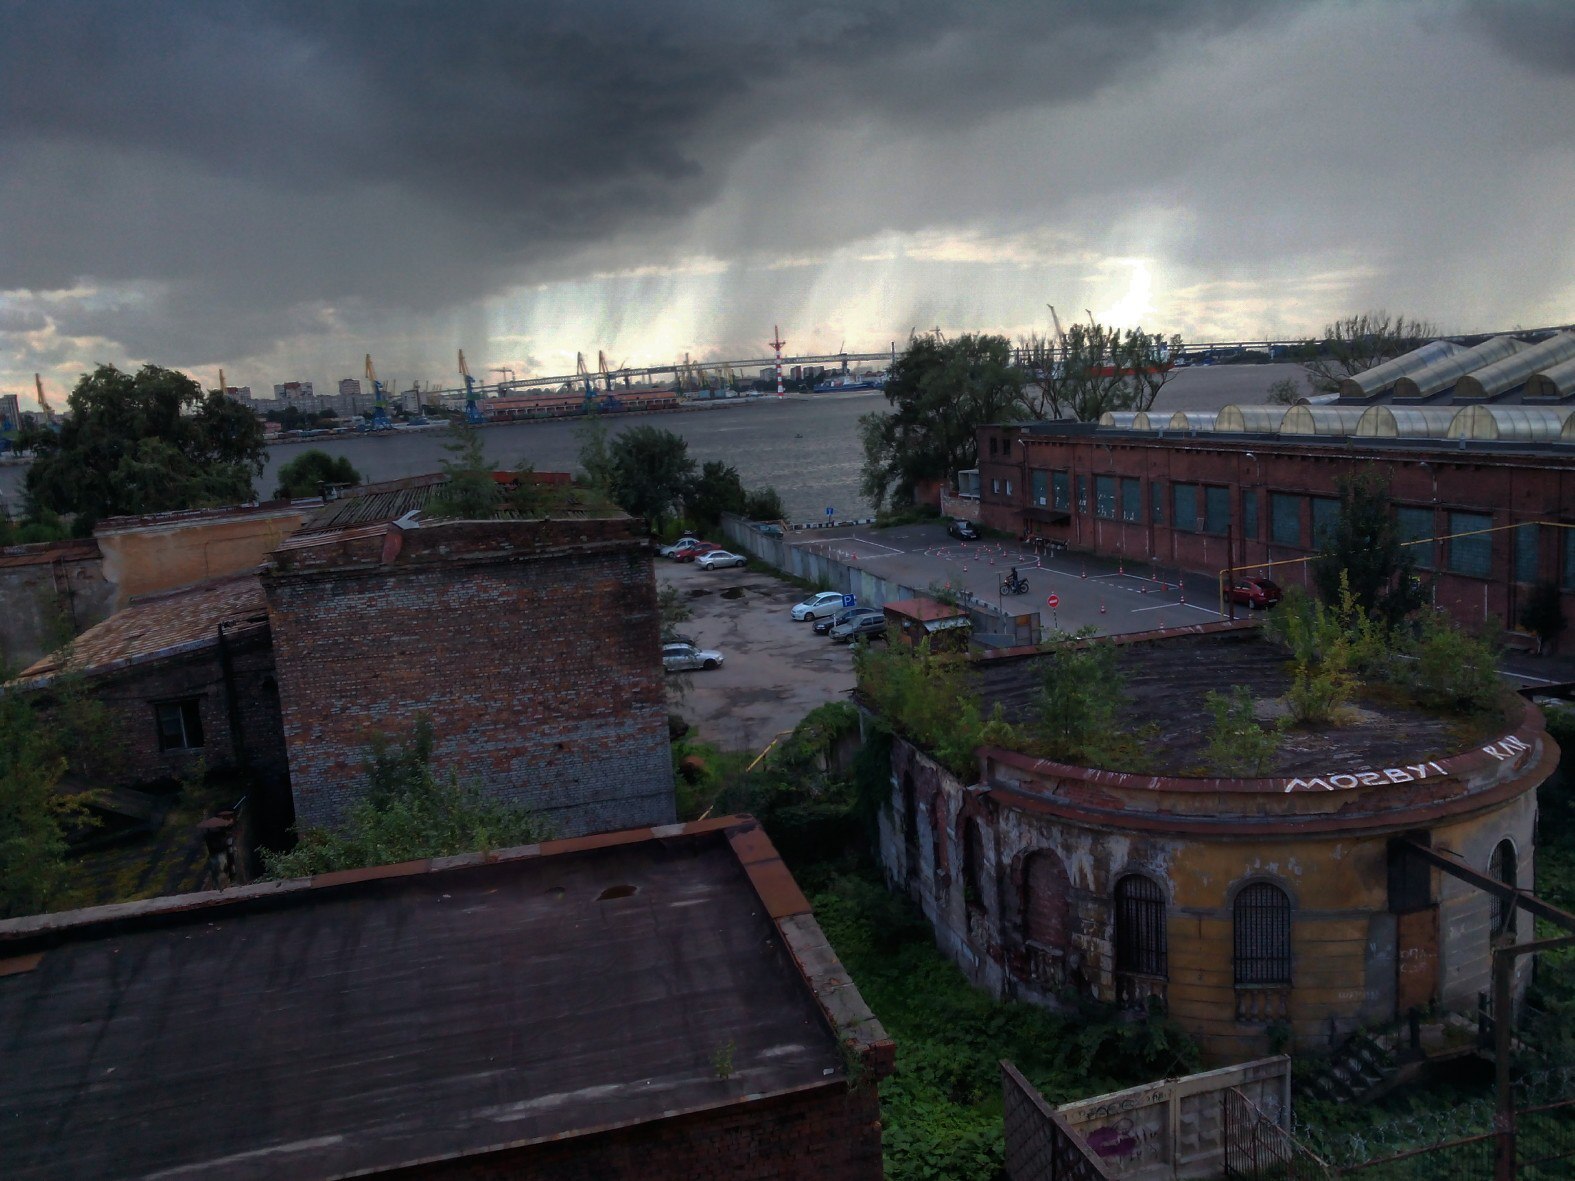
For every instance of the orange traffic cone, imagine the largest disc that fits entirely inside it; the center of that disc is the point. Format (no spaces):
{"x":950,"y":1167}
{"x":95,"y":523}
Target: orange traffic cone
{"x":1101,"y":606}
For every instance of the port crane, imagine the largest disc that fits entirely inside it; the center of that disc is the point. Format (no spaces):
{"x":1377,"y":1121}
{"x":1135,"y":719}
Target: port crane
{"x":43,"y":402}
{"x":473,"y":413}
{"x":380,"y":419}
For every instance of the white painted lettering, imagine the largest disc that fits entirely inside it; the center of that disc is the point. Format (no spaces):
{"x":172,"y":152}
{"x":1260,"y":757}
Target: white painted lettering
{"x":1396,"y":775}
{"x":1342,"y":780}
{"x":1370,"y":778}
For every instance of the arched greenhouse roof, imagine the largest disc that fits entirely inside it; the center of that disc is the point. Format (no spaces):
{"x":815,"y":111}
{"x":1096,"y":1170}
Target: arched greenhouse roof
{"x":1526,"y":424}
{"x":1321,"y":420}
{"x":1192,"y":420}
{"x":1126,"y":420}
{"x":1556,"y":381}
{"x":1380,"y":377}
{"x":1405,"y":422}
{"x":1499,"y":378}
{"x":1259,"y":420}
{"x":1443,"y":373}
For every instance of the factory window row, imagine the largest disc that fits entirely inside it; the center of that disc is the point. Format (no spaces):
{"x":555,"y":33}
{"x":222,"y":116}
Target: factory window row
{"x":1458,"y":542}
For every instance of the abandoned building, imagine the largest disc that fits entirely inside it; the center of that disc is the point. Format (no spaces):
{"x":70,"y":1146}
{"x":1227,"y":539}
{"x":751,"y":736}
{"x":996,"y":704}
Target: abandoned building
{"x":1484,"y":496}
{"x":1279,"y":909}
{"x":657,"y":1003}
{"x":529,"y":646}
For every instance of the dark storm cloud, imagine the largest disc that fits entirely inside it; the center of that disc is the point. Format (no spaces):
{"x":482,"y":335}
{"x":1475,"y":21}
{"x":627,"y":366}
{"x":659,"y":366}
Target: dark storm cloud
{"x":1540,"y":33}
{"x":256,"y":157}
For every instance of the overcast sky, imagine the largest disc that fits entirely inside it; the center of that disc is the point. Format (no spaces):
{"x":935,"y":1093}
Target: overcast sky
{"x":279,"y":188}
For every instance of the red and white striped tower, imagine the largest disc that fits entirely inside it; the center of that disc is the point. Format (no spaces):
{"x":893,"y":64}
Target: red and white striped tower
{"x":777,"y":343}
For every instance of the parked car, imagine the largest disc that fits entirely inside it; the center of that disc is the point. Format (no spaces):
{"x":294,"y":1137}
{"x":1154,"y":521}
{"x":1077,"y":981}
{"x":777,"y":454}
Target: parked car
{"x":668,"y":551}
{"x":718,"y":558}
{"x":690,"y":552}
{"x":824,"y":603}
{"x":966,"y":530}
{"x":865,"y":627}
{"x":1255,"y":592}
{"x":822,"y":626}
{"x":770,"y":530}
{"x":677,"y":658}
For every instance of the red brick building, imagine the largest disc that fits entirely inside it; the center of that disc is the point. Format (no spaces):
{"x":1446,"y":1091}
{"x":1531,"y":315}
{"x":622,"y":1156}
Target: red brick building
{"x":531,"y":645}
{"x":1489,"y":519}
{"x":656,"y":1004}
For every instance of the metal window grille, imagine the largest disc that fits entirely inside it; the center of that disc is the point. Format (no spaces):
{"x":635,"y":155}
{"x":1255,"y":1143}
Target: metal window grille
{"x":1140,"y":927}
{"x":1105,"y":497}
{"x":1501,"y":868}
{"x":1285,"y":518}
{"x":1216,"y":510}
{"x":1471,"y":555}
{"x":1416,"y":524}
{"x":1184,"y":513}
{"x":1132,"y":500}
{"x":1527,"y":552}
{"x":1263,"y":935}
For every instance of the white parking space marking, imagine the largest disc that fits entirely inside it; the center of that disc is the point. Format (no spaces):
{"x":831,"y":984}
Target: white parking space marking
{"x":849,"y":549}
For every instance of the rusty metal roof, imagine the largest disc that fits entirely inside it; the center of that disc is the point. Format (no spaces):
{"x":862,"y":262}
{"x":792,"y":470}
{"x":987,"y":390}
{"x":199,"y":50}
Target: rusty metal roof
{"x":156,"y":626}
{"x":48,"y":552}
{"x":370,"y":1020}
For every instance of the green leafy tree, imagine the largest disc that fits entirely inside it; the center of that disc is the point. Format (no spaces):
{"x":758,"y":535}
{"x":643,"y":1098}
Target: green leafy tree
{"x":1284,"y":392}
{"x":471,"y":493}
{"x":941,"y":392}
{"x":1364,"y":548}
{"x":307,"y":473}
{"x":1093,"y":369}
{"x":925,"y":696}
{"x":407,"y":812}
{"x":1238,"y":744}
{"x":152,"y":441}
{"x":1358,"y":343}
{"x":650,"y":470}
{"x":32,"y":835}
{"x":595,"y":450}
{"x":1080,"y":706}
{"x":764,"y":504}
{"x":717,"y":490}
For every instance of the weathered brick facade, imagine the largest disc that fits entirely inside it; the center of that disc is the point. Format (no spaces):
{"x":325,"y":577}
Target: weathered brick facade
{"x":531,"y":645}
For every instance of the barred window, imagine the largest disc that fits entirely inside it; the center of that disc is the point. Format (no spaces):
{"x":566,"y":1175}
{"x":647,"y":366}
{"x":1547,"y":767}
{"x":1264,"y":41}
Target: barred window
{"x":1262,"y":921}
{"x":1140,"y":927}
{"x":1184,"y":514}
{"x":1501,"y":868}
{"x":1325,"y":519}
{"x":1472,"y":555}
{"x":1216,"y":510}
{"x":1249,"y":515}
{"x":1285,"y":519}
{"x":1105,"y":497}
{"x":1060,"y":490}
{"x":1527,"y":553}
{"x":973,"y":864}
{"x":1416,"y":525}
{"x":1132,"y":500}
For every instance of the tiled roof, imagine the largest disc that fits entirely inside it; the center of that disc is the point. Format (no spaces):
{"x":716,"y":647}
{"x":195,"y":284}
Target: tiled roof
{"x":158,"y":625}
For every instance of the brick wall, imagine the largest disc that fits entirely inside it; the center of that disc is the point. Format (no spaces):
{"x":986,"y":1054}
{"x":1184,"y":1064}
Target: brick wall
{"x":831,"y":1133}
{"x":49,"y":592}
{"x":533,"y":647}
{"x":129,"y":697}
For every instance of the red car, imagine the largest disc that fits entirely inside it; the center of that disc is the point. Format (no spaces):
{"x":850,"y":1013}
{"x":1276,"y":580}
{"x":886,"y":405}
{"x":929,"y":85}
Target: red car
{"x":1255,"y":592}
{"x":690,"y":552}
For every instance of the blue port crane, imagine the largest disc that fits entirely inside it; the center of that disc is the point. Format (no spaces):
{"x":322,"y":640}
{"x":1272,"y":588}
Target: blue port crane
{"x":473,"y":413}
{"x":380,"y":419}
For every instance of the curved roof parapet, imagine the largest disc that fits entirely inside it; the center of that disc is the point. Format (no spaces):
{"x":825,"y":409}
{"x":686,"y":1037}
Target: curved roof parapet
{"x":1126,"y":420}
{"x":1526,"y":424}
{"x":1258,"y":420}
{"x":1372,"y":382}
{"x":1555,"y":383}
{"x":1405,"y":422}
{"x":1442,"y":374}
{"x":1192,"y":420}
{"x":1321,"y":420}
{"x":1317,"y":400}
{"x":1497,"y":379}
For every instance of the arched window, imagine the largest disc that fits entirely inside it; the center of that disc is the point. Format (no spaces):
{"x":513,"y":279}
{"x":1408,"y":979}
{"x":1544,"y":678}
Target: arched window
{"x":1501,"y":868}
{"x":1263,"y":935}
{"x":973,"y":864}
{"x":1140,"y":927}
{"x":1044,"y":900}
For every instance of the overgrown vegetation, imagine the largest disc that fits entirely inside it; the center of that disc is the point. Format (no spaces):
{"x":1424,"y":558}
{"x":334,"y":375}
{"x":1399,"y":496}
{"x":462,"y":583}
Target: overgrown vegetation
{"x":926,"y":696}
{"x":1362,"y":555}
{"x":1080,"y":707}
{"x":407,"y":811}
{"x":1238,"y":743}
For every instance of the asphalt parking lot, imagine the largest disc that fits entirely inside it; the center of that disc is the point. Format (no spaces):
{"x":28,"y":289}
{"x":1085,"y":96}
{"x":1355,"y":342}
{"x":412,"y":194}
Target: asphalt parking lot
{"x":774,"y":671}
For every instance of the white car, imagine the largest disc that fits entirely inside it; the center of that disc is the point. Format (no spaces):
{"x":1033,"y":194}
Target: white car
{"x":668,"y":551}
{"x":677,"y":658}
{"x":718,"y":558}
{"x":825,"y":603}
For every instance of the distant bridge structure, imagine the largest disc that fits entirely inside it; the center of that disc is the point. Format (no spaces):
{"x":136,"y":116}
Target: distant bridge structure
{"x":1204,"y":353}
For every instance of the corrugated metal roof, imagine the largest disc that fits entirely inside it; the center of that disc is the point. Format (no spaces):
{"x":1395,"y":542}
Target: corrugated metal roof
{"x":1533,"y":424}
{"x":1445,"y":372}
{"x":1405,"y":422}
{"x":1495,"y":380}
{"x":1372,"y":382}
{"x":155,"y":626}
{"x":1261,"y":420}
{"x":1554,"y":383}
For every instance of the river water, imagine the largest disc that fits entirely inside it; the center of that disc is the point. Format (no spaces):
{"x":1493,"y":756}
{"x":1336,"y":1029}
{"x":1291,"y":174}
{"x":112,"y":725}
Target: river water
{"x":806,"y":446}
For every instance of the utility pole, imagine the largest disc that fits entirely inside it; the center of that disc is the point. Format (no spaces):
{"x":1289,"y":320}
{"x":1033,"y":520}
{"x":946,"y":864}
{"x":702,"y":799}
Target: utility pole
{"x":777,"y":343}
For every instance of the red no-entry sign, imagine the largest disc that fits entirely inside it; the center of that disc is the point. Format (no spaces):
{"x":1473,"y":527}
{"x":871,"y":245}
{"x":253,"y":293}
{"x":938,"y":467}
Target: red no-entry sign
{"x":1054,"y":601}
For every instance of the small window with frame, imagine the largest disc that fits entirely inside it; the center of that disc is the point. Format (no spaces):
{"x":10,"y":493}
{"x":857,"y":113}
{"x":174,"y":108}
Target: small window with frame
{"x":179,"y":724}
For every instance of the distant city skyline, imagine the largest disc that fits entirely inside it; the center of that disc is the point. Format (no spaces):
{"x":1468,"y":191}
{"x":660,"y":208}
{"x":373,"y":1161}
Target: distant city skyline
{"x":301,"y":189}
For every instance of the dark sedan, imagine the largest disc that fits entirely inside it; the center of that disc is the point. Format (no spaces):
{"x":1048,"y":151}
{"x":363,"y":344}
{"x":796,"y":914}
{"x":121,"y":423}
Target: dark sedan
{"x":822,"y":626}
{"x":966,"y":530}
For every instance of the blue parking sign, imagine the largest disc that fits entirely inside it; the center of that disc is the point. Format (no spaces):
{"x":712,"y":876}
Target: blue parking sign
{"x":830,"y":512}
{"x":850,"y":600}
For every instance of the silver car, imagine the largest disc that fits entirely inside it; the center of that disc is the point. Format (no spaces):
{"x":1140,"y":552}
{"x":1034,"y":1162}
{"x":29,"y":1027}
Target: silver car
{"x":677,"y":658}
